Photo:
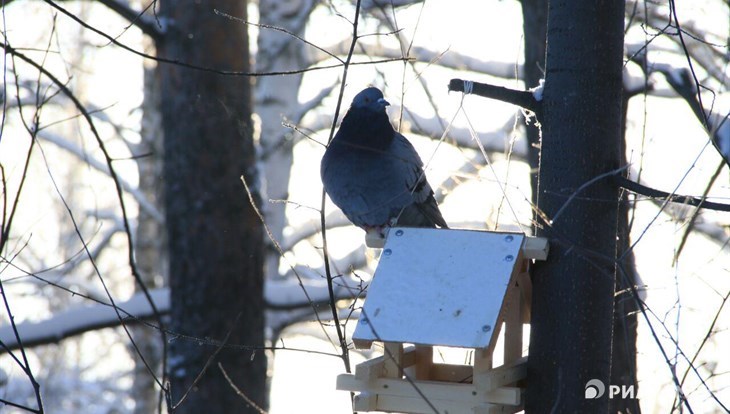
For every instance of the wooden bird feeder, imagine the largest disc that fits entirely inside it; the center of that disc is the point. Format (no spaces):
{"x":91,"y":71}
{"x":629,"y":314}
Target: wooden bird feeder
{"x":444,"y":287}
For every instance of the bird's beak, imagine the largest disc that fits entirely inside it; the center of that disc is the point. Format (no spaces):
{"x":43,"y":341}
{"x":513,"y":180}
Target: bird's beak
{"x":383,"y":102}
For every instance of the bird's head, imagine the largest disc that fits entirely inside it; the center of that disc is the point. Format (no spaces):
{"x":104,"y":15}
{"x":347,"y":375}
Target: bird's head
{"x":371,"y":99}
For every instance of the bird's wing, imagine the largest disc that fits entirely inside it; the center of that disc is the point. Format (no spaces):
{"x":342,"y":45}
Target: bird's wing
{"x":407,"y":165}
{"x":421,"y":210}
{"x":360,"y":183}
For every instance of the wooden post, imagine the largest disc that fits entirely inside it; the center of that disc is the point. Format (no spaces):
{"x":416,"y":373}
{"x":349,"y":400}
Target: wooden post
{"x":393,"y":354}
{"x":513,"y":325}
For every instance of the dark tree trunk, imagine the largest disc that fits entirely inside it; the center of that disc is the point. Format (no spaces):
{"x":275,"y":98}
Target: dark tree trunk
{"x":150,"y":246}
{"x":572,"y":310}
{"x":215,"y":238}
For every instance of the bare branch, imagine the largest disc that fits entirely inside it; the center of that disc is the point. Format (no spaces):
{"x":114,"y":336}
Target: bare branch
{"x":523,"y":99}
{"x":74,"y":149}
{"x":145,"y":23}
{"x":674,"y":198}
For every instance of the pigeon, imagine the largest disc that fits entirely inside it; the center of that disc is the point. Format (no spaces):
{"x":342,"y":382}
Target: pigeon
{"x":373,"y":173}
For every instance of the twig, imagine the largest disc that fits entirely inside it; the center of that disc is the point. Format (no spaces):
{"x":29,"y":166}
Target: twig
{"x":276,"y":244}
{"x":330,"y":284}
{"x":132,"y":264}
{"x":5,"y":236}
{"x":202,"y":68}
{"x":239,"y":392}
{"x":586,"y":185}
{"x":208,"y":362}
{"x":137,"y":18}
{"x":141,"y":199}
{"x":696,"y":212}
{"x":278,"y":29}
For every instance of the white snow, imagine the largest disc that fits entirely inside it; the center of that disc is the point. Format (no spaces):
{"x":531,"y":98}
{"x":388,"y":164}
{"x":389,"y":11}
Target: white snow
{"x":537,"y":90}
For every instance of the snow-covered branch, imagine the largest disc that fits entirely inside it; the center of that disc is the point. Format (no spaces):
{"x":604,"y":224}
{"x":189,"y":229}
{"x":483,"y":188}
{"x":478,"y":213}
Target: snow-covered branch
{"x":283,"y":294}
{"x":80,"y":319}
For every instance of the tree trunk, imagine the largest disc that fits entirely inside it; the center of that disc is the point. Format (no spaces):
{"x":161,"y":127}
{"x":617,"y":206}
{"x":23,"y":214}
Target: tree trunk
{"x":150,"y":246}
{"x":277,"y":100}
{"x":214,"y":235}
{"x":572,"y":310}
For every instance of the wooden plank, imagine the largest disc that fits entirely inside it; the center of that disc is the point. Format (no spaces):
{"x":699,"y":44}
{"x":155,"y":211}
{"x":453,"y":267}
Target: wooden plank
{"x":525,"y":284}
{"x":365,"y":401}
{"x":500,"y":376}
{"x":422,"y":363}
{"x":496,"y":409}
{"x":344,"y":382}
{"x":393,"y":363}
{"x":536,"y":248}
{"x":373,"y":368}
{"x":417,"y":405}
{"x":462,"y":374}
{"x":506,"y":302}
{"x":410,"y":357}
{"x":513,"y":325}
{"x":362,"y":343}
{"x":370,"y":369}
{"x":482,"y":360}
{"x":432,"y":390}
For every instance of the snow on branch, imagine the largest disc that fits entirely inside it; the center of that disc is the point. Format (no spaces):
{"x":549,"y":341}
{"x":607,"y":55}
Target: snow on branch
{"x":280,"y":295}
{"x":80,"y":319}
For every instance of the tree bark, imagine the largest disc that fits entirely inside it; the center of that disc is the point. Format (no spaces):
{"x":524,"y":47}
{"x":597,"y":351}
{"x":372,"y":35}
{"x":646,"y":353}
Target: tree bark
{"x":570,"y":341}
{"x":214,"y":235}
{"x":150,"y":246}
{"x":277,"y":99}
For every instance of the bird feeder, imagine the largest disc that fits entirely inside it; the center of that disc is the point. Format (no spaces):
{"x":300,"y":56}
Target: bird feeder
{"x":444,"y":287}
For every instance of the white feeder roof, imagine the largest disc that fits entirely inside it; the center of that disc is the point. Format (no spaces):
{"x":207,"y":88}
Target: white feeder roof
{"x":439,"y":287}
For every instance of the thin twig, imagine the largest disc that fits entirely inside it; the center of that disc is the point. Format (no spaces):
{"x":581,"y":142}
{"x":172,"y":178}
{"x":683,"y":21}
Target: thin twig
{"x":127,"y":226}
{"x":240,"y":393}
{"x":202,"y":68}
{"x":330,"y":284}
{"x":208,"y":362}
{"x":276,"y":244}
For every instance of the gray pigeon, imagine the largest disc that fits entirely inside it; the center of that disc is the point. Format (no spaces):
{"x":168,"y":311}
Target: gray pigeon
{"x":373,"y":173}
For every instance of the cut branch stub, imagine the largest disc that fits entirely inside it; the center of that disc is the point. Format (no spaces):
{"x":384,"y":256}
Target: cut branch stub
{"x":523,"y":99}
